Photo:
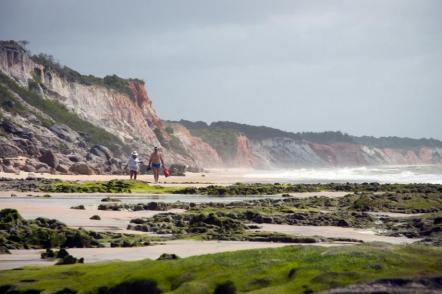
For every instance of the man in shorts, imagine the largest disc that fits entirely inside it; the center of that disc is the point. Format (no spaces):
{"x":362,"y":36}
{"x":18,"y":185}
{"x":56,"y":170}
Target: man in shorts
{"x":155,"y":163}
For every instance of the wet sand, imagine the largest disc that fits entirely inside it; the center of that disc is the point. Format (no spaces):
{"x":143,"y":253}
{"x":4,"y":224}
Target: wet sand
{"x":333,"y":232}
{"x":58,"y":207}
{"x":395,"y":214}
{"x":112,"y":221}
{"x":182,"y":248}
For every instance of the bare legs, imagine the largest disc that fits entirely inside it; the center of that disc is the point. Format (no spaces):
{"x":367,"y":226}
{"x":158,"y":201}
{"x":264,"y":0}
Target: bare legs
{"x":133,"y":174}
{"x":156,"y":174}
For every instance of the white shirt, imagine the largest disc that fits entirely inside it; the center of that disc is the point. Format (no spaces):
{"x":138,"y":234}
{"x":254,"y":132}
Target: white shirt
{"x":133,"y":163}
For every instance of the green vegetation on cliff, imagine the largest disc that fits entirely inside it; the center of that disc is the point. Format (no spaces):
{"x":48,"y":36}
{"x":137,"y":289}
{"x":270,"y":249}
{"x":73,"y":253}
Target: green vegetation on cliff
{"x":111,"y":81}
{"x":58,"y":113}
{"x":293,"y":269}
{"x":206,"y":132}
{"x":224,"y":141}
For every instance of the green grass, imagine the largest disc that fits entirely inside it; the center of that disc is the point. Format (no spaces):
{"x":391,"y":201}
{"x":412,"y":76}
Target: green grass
{"x":113,"y":186}
{"x":7,"y":97}
{"x":255,"y":271}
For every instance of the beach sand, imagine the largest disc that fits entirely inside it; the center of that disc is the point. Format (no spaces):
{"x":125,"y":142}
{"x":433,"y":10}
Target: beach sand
{"x":111,"y":221}
{"x":212,"y":176}
{"x":333,"y":232}
{"x":58,"y":207}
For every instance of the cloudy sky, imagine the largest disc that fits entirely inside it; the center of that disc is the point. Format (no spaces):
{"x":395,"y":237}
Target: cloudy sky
{"x":364,"y":67}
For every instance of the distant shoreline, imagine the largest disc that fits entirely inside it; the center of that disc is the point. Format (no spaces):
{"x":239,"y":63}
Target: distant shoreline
{"x":431,"y":174}
{"x":212,"y":177}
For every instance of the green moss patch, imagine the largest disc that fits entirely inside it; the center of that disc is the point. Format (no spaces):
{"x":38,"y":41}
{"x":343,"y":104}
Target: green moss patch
{"x":292,"y":269}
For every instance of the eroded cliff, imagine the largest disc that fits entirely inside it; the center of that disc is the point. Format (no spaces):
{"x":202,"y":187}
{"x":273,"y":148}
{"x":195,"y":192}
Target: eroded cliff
{"x":54,"y":119}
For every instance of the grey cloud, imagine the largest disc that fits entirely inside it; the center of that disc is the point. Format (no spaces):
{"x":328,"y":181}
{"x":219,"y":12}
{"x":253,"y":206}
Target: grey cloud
{"x":363,"y":67}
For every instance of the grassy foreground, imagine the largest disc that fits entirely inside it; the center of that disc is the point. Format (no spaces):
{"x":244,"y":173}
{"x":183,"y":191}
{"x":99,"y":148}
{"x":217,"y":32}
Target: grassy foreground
{"x":293,"y":269}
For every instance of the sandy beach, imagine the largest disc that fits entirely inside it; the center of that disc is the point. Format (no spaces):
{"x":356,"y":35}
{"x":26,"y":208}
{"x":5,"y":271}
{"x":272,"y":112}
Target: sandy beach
{"x":58,"y":206}
{"x":334,"y":232}
{"x":212,"y":176}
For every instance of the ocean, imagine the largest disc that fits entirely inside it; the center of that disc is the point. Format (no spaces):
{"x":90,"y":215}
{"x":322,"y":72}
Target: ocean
{"x":382,"y":174}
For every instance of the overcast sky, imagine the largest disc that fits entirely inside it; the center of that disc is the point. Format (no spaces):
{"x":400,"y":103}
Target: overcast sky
{"x":362,"y":67}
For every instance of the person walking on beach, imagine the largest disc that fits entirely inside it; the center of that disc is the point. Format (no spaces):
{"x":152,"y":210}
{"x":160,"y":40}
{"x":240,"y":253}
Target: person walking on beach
{"x":134,"y":164}
{"x":155,"y":163}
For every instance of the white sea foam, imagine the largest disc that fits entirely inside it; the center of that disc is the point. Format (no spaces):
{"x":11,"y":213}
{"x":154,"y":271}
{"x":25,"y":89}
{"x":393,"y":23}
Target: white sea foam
{"x":381,"y":174}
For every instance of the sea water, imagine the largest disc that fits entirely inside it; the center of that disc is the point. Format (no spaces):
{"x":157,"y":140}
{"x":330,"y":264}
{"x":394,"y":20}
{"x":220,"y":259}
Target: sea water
{"x":382,"y":174}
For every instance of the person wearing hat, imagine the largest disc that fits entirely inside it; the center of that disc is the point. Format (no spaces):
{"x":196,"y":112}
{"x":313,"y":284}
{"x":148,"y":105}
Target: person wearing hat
{"x":155,"y":163}
{"x":134,"y":164}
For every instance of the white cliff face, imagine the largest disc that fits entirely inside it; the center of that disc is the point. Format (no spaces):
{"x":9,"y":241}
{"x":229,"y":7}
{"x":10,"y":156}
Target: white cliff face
{"x":285,"y":152}
{"x":109,"y":109}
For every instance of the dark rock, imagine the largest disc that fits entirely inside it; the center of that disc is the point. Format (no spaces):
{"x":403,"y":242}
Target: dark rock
{"x":11,"y":128}
{"x":81,"y":168}
{"x":43,"y":170}
{"x":8,"y":104}
{"x":27,"y":135}
{"x":177,"y":170}
{"x":62,"y":253}
{"x":42,"y":167}
{"x":343,"y":223}
{"x":62,"y":169}
{"x":9,"y":150}
{"x":66,"y":291}
{"x":95,"y":217}
{"x":63,"y":132}
{"x":49,"y":253}
{"x":69,"y":259}
{"x":27,"y":147}
{"x":101,"y":151}
{"x":74,"y":158}
{"x":109,"y":199}
{"x":9,"y":169}
{"x":292,"y":273}
{"x":166,"y":256}
{"x":227,"y":287}
{"x":29,"y":168}
{"x":48,"y":157}
{"x":139,"y":287}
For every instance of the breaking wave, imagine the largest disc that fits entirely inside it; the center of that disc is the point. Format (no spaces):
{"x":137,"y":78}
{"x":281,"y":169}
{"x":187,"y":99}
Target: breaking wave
{"x":382,"y":174}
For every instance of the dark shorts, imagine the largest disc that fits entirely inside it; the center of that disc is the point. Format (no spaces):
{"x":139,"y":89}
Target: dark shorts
{"x":156,"y":165}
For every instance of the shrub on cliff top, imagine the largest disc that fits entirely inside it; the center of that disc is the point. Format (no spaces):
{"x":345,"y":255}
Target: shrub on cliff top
{"x":110,"y":81}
